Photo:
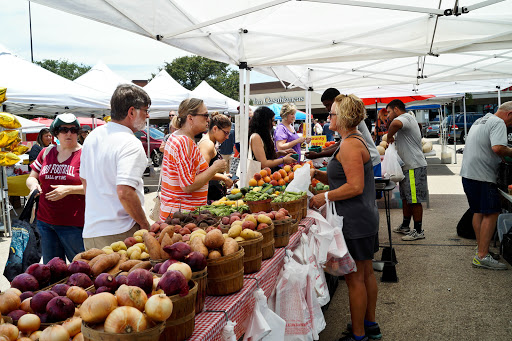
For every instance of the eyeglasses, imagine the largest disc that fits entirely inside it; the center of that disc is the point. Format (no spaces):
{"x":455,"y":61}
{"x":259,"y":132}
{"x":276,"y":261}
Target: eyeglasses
{"x":204,"y":115}
{"x":146,"y":110}
{"x":66,"y":130}
{"x":331,"y":114}
{"x":226,"y":132}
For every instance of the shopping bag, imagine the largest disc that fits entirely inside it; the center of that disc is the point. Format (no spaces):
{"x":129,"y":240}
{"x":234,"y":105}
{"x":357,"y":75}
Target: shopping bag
{"x":155,"y":211}
{"x":264,"y":324}
{"x":390,"y":166}
{"x":228,"y":332}
{"x":253,"y":167}
{"x":301,"y":180}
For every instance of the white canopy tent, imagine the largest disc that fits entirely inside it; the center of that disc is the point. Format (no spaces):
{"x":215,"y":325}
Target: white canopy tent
{"x":316,"y":44}
{"x":34,"y":90}
{"x":205,"y":90}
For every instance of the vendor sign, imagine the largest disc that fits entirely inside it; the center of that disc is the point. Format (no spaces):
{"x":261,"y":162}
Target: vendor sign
{"x":318,"y":140}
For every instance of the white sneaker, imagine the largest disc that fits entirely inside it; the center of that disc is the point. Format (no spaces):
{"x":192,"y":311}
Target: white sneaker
{"x":414,"y":235}
{"x":402,"y":229}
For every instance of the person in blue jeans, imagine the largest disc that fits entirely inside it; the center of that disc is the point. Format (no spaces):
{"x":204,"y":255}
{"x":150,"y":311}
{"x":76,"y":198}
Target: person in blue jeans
{"x":55,"y":174}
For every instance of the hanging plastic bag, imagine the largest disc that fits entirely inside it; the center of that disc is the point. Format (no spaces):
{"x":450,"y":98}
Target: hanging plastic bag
{"x":301,"y":180}
{"x":2,"y":95}
{"x":264,"y":324}
{"x":228,"y":332}
{"x":7,"y":137}
{"x":8,"y":159}
{"x":9,"y":121}
{"x":303,"y":255}
{"x":18,"y":149}
{"x":391,"y":164}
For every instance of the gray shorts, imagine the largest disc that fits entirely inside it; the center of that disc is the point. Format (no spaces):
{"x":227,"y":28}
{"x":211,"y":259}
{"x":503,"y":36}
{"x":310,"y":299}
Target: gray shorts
{"x":414,"y":187}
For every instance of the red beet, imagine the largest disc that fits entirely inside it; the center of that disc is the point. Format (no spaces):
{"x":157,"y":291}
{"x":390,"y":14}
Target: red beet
{"x":61,"y":289}
{"x":141,"y":278}
{"x":40,"y":300}
{"x":165,"y":265}
{"x":79,"y":267}
{"x":196,"y":261}
{"x":172,"y":283}
{"x":26,"y":295}
{"x":16,"y":314}
{"x":41,"y":272}
{"x":105,"y":280}
{"x":80,"y":280}
{"x":104,"y":289}
{"x":60,"y":309}
{"x":178,"y":251}
{"x":121,"y":279}
{"x":58,"y":269}
{"x":25,"y":282}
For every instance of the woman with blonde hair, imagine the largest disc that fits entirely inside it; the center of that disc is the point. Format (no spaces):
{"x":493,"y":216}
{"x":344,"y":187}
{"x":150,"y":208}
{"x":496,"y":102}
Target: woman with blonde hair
{"x":352,"y":189}
{"x":218,"y":132}
{"x":285,"y":136}
{"x":185,"y":172}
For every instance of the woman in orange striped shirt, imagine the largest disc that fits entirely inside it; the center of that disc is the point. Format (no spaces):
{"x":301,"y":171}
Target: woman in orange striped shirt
{"x":185,"y":173}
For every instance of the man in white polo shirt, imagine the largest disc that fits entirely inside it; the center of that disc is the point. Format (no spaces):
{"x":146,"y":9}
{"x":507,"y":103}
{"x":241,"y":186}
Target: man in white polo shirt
{"x":112,"y":165}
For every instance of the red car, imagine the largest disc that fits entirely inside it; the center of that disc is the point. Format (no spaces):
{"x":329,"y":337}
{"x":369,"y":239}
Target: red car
{"x":155,"y":140}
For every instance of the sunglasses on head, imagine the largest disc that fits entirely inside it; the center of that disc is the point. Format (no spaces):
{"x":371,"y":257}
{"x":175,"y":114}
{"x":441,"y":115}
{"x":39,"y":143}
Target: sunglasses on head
{"x":65,"y":130}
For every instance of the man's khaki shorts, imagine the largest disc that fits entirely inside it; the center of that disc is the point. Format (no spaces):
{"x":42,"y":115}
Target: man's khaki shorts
{"x":101,"y":242}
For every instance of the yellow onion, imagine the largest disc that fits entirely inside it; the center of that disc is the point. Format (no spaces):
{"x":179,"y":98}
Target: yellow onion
{"x":77,"y":312}
{"x":24,"y":339}
{"x":9,"y":301}
{"x":97,"y":307}
{"x":25,"y":305}
{"x":78,"y":337}
{"x":54,"y":333}
{"x":10,"y":331}
{"x":14,"y":290}
{"x":183,"y":268}
{"x":36,"y":335}
{"x":158,"y":307}
{"x":131,"y":296}
{"x":76,"y":294}
{"x":29,"y":323}
{"x":125,"y":320}
{"x":73,"y":326}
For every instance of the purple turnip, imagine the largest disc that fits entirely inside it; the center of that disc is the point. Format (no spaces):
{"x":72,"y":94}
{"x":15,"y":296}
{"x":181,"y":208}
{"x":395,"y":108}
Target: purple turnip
{"x":121,"y":279}
{"x":16,"y":314}
{"x":40,"y":300}
{"x":79,"y":267}
{"x":104,"y":289}
{"x":141,"y":278}
{"x":178,"y":251}
{"x":25,"y":282}
{"x":156,"y":267}
{"x":41,"y":272}
{"x":105,"y":280}
{"x":60,"y":309}
{"x":26,"y":295}
{"x":61,"y":289}
{"x":196,"y":261}
{"x":80,"y":280}
{"x":165,"y":265}
{"x":58,"y":269}
{"x":173,"y":282}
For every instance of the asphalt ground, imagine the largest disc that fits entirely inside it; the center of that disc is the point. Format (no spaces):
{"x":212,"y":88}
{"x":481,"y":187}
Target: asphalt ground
{"x":439,"y":295}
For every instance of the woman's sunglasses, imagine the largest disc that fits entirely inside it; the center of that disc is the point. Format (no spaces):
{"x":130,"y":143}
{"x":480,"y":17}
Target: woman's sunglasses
{"x":66,"y":130}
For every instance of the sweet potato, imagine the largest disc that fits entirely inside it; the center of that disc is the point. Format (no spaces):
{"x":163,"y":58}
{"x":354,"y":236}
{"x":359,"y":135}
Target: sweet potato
{"x":197,"y":245}
{"x":142,"y":265}
{"x":116,"y":268}
{"x":152,"y":245}
{"x":168,"y":230}
{"x":126,"y":266}
{"x":91,"y":253}
{"x":230,"y":246}
{"x":176,"y":238}
{"x":105,"y":263}
{"x":214,"y":239}
{"x":95,"y":259}
{"x":165,"y":241}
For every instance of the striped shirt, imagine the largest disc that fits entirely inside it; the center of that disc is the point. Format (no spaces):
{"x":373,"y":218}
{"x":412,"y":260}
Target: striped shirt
{"x":182,"y":162}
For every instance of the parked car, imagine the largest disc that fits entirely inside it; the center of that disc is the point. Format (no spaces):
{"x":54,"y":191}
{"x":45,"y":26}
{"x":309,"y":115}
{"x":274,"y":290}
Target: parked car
{"x":448,"y":128}
{"x":155,"y":140}
{"x":432,"y":130}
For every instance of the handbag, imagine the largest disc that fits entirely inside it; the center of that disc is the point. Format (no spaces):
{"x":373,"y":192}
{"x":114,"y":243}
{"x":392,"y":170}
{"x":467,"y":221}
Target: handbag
{"x":253,"y":166}
{"x":154,"y":214}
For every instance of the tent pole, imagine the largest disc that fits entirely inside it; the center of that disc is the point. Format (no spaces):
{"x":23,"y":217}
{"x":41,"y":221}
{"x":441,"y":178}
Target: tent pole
{"x":465,"y":125}
{"x":499,"y":95}
{"x":147,"y":140}
{"x":454,"y":135}
{"x":243,"y":127}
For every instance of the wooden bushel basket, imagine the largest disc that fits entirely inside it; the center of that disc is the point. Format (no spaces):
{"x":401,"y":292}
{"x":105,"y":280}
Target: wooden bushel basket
{"x":180,"y":325}
{"x":293,"y":207}
{"x":282,"y":232}
{"x":260,"y":205}
{"x":150,"y":334}
{"x":294,"y":228}
{"x":267,"y":245}
{"x":304,"y":207}
{"x":252,"y":254}
{"x":226,"y":274}
{"x":200,"y":277}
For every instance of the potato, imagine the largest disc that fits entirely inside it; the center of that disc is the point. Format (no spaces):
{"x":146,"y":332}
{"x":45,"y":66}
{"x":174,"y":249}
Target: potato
{"x":235,"y":230}
{"x":176,"y":238}
{"x":262,"y":218}
{"x":140,"y":232}
{"x":138,"y":239}
{"x":214,"y":239}
{"x":239,"y":239}
{"x":214,"y":254}
{"x":230,"y":246}
{"x":249,"y":234}
{"x":108,"y":250}
{"x":385,"y":138}
{"x":383,"y":144}
{"x":381,"y":150}
{"x":105,"y":263}
{"x":152,"y":246}
{"x":197,"y":245}
{"x":91,"y":253}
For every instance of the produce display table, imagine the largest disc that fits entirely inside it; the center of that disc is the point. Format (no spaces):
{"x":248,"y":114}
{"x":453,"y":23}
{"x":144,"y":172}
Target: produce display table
{"x":238,"y":307}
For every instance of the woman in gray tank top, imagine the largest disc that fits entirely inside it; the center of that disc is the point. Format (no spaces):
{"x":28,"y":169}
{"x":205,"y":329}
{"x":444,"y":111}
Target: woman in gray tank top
{"x":352,"y":189}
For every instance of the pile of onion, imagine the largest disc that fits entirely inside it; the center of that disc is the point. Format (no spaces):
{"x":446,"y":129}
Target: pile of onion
{"x":131,"y":296}
{"x":158,"y":307}
{"x":96,"y":308}
{"x":29,"y":323}
{"x":54,"y":333}
{"x":124,"y":320}
{"x":9,"y":301}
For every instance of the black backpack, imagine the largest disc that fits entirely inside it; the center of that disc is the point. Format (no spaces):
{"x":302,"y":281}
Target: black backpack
{"x":25,"y":248}
{"x":465,"y":226}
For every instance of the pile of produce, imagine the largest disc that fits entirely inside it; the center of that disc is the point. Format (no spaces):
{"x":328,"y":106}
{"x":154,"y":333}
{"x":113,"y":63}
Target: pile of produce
{"x":329,"y":143}
{"x":279,"y":178}
{"x":426,"y":146}
{"x":259,"y":193}
{"x":288,"y":196}
{"x":213,"y":244}
{"x":317,"y":186}
{"x":242,"y":230}
{"x":222,"y":208}
{"x":202,"y":219}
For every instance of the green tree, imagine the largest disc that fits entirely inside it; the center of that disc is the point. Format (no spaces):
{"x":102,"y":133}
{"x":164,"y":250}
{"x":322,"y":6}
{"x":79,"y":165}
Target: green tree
{"x":189,"y":71}
{"x":64,"y":68}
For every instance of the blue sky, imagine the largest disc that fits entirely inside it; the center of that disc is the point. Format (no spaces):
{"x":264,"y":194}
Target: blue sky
{"x":58,"y":35}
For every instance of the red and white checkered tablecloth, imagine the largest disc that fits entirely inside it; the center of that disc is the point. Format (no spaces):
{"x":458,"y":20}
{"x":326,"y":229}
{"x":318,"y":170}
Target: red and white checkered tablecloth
{"x":239,"y":306}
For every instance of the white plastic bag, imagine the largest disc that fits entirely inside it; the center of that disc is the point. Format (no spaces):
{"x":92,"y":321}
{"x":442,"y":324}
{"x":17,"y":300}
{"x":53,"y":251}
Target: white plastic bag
{"x":391,"y":164}
{"x":301,"y":180}
{"x":264,"y":324}
{"x":228,"y":332}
